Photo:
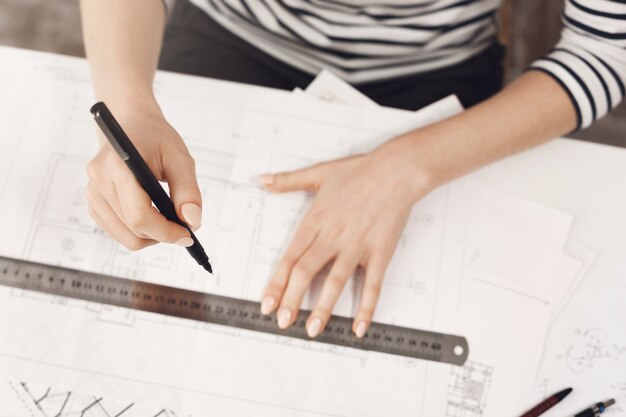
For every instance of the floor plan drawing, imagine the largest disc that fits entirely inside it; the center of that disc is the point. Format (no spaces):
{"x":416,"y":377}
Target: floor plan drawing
{"x":590,"y":347}
{"x":124,"y":358}
{"x":468,"y":390}
{"x":29,"y":401}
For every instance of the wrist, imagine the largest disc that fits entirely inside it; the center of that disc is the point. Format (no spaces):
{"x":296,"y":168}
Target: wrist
{"x":404,"y":161}
{"x":141,"y":104}
{"x":132,"y":112}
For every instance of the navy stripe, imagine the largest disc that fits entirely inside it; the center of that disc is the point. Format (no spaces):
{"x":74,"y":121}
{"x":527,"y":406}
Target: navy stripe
{"x":345,"y":55}
{"x":593,"y":30}
{"x":579,"y":117}
{"x":382,"y":4}
{"x":433,"y":28}
{"x":592,"y":103}
{"x":597,"y":12}
{"x":617,"y":78}
{"x":595,"y":71}
{"x":363,"y":41}
{"x":387,"y":16}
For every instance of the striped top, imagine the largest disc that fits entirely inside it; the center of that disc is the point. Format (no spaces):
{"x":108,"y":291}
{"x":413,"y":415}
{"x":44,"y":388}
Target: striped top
{"x":373,"y":40}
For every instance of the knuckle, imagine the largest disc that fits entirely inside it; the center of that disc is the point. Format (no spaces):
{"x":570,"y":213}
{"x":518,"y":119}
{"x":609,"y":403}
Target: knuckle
{"x":366,"y":312}
{"x":92,"y":213}
{"x":323,"y":312}
{"x":374,"y":288}
{"x":342,"y":271}
{"x":301,"y":270}
{"x":281,"y":179}
{"x":336,"y":281}
{"x":288,"y":260}
{"x":316,"y":217}
{"x":93,"y":170}
{"x":276,"y":287}
{"x":133,"y":243}
{"x":90,"y":193}
{"x":136,"y":220}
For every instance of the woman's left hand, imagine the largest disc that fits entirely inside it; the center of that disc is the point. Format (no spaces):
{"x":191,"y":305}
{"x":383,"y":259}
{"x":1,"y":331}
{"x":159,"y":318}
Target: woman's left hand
{"x":360,"y":209}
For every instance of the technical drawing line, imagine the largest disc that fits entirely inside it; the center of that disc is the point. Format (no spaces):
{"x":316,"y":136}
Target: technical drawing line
{"x":172,"y":387}
{"x":67,"y":398}
{"x":96,"y":402}
{"x":124,"y":410}
{"x":44,"y":396}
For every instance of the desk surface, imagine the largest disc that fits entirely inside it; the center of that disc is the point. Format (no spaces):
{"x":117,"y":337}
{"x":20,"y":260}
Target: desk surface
{"x":576,"y":177}
{"x":586,"y":180}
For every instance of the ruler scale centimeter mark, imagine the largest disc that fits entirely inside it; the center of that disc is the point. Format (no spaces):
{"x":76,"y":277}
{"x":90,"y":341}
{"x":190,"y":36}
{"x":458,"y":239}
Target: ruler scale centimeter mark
{"x":225,"y":311}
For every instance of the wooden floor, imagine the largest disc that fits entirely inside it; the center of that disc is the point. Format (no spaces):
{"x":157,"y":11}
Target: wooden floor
{"x":529,"y":28}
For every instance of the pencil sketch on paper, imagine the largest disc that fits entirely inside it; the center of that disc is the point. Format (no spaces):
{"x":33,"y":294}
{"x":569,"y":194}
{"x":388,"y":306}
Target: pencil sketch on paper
{"x":588,"y":348}
{"x":468,"y":389}
{"x":50,"y":402}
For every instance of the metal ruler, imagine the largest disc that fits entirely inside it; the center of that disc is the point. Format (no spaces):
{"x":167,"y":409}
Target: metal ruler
{"x":225,"y":311}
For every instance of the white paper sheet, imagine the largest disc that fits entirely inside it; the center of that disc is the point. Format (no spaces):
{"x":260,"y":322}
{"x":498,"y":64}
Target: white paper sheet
{"x":236,"y":132}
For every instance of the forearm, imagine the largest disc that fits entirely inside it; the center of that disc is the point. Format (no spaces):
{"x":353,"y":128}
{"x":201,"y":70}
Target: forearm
{"x":530,"y":111}
{"x":123,"y":41}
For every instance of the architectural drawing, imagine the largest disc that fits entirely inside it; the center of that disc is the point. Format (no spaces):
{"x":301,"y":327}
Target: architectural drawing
{"x":49,"y":402}
{"x":240,"y":228}
{"x":591,"y":347}
{"x":121,"y":357}
{"x":468,"y":390}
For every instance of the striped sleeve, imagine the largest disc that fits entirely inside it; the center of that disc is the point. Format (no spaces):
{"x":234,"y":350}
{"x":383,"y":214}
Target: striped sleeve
{"x":589,"y":61}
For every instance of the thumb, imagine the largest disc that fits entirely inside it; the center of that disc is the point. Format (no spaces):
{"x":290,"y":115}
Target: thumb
{"x":306,"y":179}
{"x":180,"y":174}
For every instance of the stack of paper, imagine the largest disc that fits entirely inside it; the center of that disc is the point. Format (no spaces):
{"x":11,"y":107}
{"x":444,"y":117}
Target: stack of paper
{"x":504,"y":244}
{"x":472,"y":261}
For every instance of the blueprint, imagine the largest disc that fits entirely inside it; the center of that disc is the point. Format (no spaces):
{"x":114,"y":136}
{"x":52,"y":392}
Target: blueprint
{"x":588,"y":353}
{"x":450,"y":271}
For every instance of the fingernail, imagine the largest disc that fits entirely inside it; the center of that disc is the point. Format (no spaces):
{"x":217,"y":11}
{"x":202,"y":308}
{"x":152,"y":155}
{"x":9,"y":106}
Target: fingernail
{"x":360,"y":329}
{"x":184,"y":242}
{"x":192,"y":214}
{"x":265,"y":179}
{"x":284,"y":317}
{"x":267,"y":305}
{"x":314,"y":327}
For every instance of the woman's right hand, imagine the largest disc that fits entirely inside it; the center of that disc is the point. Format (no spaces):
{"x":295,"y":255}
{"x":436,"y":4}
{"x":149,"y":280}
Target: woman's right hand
{"x":117,"y":202}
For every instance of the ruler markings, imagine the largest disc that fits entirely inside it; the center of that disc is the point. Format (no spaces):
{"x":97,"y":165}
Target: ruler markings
{"x":233,"y":312}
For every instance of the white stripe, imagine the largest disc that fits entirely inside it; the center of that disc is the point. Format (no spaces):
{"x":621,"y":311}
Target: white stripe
{"x":263,"y":14}
{"x":306,"y":32}
{"x":239,"y":7}
{"x":605,"y":24}
{"x":610,"y":52}
{"x":572,"y":85}
{"x":602,"y":5}
{"x":371,"y":40}
{"x":614,"y":91}
{"x":589,"y":78}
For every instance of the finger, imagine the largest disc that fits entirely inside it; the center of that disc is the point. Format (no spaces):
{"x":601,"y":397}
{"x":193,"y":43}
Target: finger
{"x":180,"y":174}
{"x":302,"y":240}
{"x":306,"y":179}
{"x":107,"y":220}
{"x":342,"y":269}
{"x":102,"y":187}
{"x":141,"y":217}
{"x":302,"y":273}
{"x":110,"y":195}
{"x":374,"y":275}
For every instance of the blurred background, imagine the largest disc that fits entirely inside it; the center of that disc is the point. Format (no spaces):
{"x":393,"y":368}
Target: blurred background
{"x":529,"y":29}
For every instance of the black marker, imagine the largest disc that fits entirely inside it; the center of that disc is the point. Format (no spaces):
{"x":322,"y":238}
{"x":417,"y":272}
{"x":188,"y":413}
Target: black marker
{"x":130,"y":155}
{"x":596,"y":409}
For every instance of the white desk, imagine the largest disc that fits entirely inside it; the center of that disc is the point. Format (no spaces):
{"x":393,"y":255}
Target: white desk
{"x":587,"y":180}
{"x":579,"y":178}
